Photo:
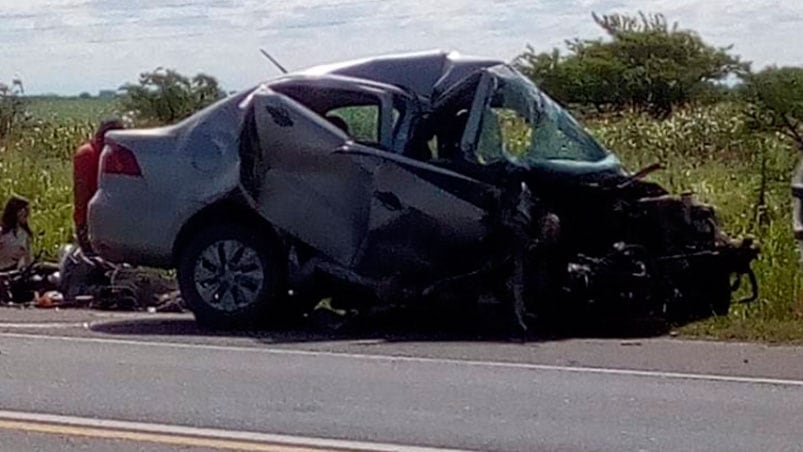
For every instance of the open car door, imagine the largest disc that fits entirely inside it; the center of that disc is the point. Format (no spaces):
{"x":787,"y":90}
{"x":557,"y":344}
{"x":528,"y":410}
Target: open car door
{"x":299,"y":181}
{"x":424,"y":220}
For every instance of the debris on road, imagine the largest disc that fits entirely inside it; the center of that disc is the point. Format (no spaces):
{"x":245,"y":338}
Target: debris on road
{"x":90,"y":282}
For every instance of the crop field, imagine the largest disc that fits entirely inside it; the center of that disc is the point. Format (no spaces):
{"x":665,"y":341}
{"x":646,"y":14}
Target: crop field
{"x":706,"y":150}
{"x":61,"y":109}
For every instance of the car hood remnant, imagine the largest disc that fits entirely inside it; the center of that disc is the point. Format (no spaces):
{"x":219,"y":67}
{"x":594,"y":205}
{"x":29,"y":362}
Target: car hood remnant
{"x":434,"y":177}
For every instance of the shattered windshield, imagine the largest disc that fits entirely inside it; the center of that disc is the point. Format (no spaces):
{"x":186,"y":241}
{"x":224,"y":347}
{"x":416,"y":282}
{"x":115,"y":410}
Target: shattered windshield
{"x":524,"y":126}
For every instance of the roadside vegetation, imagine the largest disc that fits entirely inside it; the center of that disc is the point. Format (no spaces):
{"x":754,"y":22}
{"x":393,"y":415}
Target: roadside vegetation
{"x":650,"y":91}
{"x":164,"y":96}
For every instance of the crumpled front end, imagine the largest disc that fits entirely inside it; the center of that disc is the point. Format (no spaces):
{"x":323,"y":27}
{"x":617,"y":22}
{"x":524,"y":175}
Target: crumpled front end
{"x":692,"y":247}
{"x":670,"y":255}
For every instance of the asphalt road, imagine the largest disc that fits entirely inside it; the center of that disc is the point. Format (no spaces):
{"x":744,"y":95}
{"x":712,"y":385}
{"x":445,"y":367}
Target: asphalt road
{"x":159,"y":376}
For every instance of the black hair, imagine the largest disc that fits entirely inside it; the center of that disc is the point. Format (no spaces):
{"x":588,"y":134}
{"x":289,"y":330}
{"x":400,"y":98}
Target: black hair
{"x":107,"y":125}
{"x":9,"y":219}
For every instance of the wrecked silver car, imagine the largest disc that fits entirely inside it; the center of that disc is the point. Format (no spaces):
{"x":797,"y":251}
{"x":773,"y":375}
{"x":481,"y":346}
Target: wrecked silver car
{"x":400,"y":180}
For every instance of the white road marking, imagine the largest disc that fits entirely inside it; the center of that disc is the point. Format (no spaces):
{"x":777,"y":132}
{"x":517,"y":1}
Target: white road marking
{"x":44,"y":325}
{"x":208,"y":433}
{"x":423,"y":360}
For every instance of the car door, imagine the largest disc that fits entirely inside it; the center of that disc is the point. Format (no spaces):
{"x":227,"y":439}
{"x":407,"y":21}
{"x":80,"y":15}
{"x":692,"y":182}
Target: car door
{"x":423,"y":220}
{"x":299,"y":182}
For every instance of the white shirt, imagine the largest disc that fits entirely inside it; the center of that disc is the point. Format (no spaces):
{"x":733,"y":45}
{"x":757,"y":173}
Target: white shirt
{"x":15,"y":249}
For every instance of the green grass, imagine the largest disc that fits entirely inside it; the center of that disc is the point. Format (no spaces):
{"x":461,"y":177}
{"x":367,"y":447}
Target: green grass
{"x":56,"y":109}
{"x":732,"y":328}
{"x":706,"y":150}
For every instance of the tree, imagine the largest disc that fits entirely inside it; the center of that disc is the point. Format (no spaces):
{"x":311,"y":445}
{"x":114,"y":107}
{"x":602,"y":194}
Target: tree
{"x":775,"y":101}
{"x":165,"y":96}
{"x":644,"y":64}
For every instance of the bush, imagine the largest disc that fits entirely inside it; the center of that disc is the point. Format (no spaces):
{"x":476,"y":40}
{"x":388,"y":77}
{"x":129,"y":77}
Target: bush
{"x":645,"y":65}
{"x":164,"y":96}
{"x":775,"y":97}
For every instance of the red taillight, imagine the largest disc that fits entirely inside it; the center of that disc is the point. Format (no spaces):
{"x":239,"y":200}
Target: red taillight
{"x":120,"y":160}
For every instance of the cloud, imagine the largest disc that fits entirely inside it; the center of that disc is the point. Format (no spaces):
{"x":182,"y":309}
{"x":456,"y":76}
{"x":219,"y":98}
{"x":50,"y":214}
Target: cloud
{"x":84,"y":45}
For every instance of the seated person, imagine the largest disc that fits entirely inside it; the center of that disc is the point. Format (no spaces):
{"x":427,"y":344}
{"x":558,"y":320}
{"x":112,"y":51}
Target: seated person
{"x":15,"y":235}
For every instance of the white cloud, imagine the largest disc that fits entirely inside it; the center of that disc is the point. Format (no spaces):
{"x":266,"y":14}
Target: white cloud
{"x":75,"y":45}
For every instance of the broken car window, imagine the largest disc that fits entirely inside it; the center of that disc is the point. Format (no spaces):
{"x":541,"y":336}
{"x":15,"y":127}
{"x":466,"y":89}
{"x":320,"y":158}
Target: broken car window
{"x":361,"y":122}
{"x":523,"y":125}
{"x":505,"y":134}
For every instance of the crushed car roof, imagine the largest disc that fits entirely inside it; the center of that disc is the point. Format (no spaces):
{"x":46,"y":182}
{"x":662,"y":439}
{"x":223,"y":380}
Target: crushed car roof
{"x":424,"y":73}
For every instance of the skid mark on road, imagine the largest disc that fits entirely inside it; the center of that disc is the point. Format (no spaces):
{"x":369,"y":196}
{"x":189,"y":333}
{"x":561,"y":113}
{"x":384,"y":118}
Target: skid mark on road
{"x":423,"y":360}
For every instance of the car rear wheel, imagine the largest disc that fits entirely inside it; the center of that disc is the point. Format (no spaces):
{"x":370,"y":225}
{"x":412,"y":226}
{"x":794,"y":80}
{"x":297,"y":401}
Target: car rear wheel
{"x":231,"y":275}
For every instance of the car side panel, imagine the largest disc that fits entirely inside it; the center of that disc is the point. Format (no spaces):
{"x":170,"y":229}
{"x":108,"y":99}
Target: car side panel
{"x":185,"y":167}
{"x":137,"y":220}
{"x":423,"y":219}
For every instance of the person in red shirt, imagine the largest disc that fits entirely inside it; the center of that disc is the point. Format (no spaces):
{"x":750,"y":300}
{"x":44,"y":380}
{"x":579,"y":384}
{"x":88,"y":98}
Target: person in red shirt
{"x":86,"y":164}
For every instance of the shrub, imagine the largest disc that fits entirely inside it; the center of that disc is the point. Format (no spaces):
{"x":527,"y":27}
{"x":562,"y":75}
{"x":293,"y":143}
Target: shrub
{"x":164,"y":96}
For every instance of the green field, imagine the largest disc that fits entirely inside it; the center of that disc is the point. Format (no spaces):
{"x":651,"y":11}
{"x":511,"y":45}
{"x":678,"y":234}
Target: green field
{"x":59,"y":109}
{"x":707,"y":150}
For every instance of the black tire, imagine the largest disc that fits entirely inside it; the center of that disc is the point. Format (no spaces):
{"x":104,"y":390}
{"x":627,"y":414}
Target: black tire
{"x":228,"y":299}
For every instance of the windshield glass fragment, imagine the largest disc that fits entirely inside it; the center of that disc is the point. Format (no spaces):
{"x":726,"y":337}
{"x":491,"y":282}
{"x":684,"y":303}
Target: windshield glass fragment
{"x":522,"y":125}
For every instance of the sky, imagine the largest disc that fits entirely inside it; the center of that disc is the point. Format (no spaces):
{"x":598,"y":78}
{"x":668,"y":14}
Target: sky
{"x":71,"y":46}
